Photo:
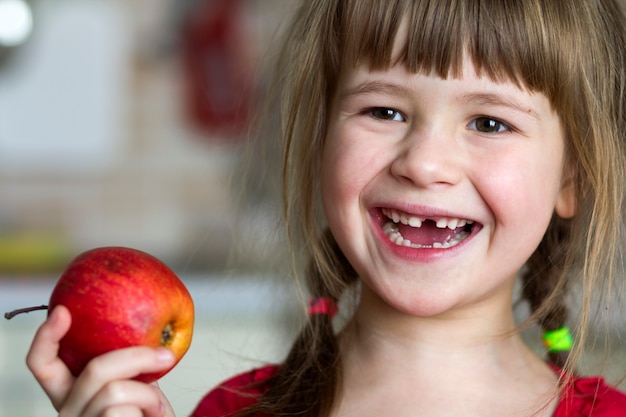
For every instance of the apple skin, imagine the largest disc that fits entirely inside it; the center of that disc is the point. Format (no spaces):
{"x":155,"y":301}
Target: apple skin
{"x":121,"y":297}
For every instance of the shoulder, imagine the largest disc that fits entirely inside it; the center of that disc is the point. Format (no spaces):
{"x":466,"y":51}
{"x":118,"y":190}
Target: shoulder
{"x":591,"y":397}
{"x":234,"y":394}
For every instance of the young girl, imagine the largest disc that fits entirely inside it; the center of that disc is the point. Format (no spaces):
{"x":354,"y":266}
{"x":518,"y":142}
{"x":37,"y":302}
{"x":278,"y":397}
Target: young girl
{"x":433,"y":150}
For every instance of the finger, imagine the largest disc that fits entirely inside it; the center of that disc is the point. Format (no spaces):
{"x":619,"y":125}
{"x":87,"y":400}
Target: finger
{"x":124,"y":410}
{"x":169,"y":412}
{"x":117,"y":365}
{"x":126,"y":396}
{"x":42,"y":358}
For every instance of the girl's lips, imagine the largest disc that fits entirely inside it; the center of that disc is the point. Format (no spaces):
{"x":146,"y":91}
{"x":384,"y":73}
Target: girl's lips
{"x":432,"y":232}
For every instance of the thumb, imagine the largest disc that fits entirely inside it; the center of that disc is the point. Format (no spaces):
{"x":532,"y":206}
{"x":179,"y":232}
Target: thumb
{"x":42,"y":358}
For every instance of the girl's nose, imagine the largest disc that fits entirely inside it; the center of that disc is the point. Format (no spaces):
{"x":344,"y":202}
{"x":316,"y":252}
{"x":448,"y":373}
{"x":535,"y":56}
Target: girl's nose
{"x":429,"y":160}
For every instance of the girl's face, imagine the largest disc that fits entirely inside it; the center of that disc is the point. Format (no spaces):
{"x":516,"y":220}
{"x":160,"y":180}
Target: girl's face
{"x":439,"y":190}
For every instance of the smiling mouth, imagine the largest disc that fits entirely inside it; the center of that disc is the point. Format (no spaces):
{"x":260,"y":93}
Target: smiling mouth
{"x":425,"y":233}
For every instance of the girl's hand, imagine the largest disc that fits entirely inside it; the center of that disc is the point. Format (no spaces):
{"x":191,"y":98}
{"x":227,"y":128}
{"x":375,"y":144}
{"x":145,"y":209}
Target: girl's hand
{"x":104,"y":388}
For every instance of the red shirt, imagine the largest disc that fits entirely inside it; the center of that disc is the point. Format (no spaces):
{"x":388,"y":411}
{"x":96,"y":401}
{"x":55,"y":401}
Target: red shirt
{"x":582,"y":397}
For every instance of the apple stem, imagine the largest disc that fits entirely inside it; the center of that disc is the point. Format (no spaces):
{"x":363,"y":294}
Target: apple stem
{"x":14,"y":313}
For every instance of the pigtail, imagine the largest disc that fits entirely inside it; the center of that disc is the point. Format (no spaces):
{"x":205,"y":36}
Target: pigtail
{"x":306,"y":382}
{"x":545,"y":284}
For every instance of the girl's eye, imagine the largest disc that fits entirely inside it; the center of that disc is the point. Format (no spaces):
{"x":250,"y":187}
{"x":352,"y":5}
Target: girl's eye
{"x":385,"y":113}
{"x":488,"y":125}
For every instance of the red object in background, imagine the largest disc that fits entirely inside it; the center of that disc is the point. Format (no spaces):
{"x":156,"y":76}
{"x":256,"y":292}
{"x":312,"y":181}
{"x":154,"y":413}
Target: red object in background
{"x":218,"y":69}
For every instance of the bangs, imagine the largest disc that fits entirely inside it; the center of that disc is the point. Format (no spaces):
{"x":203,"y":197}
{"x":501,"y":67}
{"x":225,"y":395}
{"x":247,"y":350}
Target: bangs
{"x":505,"y":40}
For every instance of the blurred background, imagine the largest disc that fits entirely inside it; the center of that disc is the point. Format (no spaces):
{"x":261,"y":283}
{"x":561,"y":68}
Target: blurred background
{"x":123,"y":122}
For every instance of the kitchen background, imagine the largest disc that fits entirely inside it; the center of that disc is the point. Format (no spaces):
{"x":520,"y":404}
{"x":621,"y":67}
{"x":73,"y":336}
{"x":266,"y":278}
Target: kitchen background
{"x":123,"y":122}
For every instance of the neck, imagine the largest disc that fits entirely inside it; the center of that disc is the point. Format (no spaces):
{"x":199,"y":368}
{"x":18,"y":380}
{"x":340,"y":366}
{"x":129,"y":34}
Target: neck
{"x":475,"y":340}
{"x":480,"y":364}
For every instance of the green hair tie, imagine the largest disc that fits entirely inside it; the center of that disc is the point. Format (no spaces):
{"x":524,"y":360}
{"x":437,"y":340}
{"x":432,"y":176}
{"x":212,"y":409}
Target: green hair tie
{"x":558,"y":340}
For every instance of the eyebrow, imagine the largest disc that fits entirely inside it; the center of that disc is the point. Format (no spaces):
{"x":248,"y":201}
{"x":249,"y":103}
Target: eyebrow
{"x":492,"y":99}
{"x":374,"y":87}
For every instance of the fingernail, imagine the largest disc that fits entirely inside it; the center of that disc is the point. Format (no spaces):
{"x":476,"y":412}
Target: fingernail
{"x":165,"y":355}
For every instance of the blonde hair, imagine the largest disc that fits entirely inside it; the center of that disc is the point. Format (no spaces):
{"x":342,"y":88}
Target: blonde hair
{"x":574,"y":52}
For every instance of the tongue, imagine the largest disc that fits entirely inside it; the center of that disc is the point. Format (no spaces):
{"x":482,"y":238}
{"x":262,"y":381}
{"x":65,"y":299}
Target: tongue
{"x":428,"y":234}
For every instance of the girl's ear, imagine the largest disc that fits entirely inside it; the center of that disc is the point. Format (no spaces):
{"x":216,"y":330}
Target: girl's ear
{"x":566,"y":201}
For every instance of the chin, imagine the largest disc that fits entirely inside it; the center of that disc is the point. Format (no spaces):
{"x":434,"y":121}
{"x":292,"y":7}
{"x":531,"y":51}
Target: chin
{"x":416,"y":302}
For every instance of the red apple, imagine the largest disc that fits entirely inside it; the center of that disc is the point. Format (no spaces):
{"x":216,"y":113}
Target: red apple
{"x":121,"y":297}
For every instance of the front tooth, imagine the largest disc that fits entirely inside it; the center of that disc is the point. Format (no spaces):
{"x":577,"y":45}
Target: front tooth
{"x":442,"y":223}
{"x":461,"y":223}
{"x":452,"y":223}
{"x":395,"y":217}
{"x":415,"y":222}
{"x":404,"y":219}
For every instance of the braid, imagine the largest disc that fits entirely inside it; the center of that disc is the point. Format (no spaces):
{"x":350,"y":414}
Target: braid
{"x":544,"y":282}
{"x":306,"y":382}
